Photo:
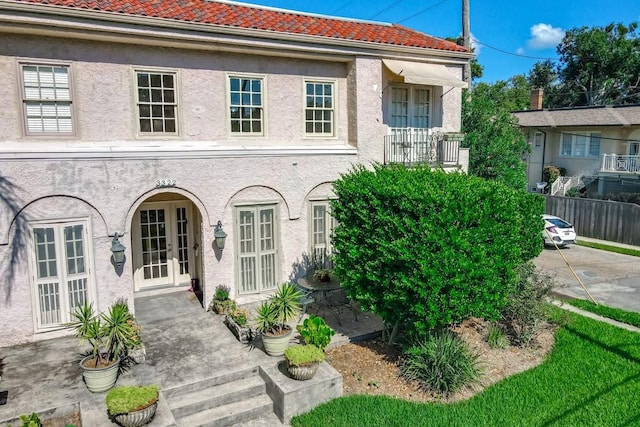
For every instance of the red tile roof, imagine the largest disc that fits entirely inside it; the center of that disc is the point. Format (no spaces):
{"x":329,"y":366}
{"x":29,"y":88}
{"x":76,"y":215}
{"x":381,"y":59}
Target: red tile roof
{"x":253,"y":17}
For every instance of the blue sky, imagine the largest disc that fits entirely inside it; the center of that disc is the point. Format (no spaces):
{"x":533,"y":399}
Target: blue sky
{"x":508,"y":33}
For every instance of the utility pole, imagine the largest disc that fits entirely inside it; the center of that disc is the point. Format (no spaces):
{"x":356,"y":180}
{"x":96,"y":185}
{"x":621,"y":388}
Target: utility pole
{"x":466,"y":39}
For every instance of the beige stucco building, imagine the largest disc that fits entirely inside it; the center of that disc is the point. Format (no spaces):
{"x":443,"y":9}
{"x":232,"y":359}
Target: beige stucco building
{"x":152,"y":125}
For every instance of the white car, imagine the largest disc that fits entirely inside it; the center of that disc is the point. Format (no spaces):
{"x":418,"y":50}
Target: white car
{"x":557,"y":230}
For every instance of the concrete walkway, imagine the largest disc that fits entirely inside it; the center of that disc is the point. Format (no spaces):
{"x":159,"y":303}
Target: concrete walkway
{"x":184,"y":344}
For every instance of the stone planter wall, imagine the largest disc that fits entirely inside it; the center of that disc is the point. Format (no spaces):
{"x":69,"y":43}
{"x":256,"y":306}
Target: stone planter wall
{"x":243,"y":334}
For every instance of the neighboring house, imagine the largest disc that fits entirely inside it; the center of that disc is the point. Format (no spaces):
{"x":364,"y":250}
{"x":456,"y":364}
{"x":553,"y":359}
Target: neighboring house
{"x":591,"y":143}
{"x":154,"y":125}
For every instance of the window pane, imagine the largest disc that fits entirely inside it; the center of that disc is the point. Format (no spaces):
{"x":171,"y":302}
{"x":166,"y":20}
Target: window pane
{"x":156,"y":98}
{"x":47,"y":99}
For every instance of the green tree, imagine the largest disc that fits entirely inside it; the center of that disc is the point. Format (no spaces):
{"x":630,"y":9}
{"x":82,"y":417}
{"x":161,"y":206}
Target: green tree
{"x":512,"y":94}
{"x":599,"y":66}
{"x":424,"y":249}
{"x":496,"y":144}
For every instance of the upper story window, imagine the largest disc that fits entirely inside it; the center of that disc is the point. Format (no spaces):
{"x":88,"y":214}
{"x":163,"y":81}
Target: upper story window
{"x":157,"y":102}
{"x":580,"y":144}
{"x":410,"y":107}
{"x":246,"y":105}
{"x":319,"y":108}
{"x":46,"y":96}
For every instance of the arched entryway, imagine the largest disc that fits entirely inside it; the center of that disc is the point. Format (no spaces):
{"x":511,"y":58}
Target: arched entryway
{"x":166,"y":242}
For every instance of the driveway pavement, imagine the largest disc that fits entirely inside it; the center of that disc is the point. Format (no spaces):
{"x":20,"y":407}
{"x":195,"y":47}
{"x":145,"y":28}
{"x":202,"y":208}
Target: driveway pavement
{"x":612,"y":279}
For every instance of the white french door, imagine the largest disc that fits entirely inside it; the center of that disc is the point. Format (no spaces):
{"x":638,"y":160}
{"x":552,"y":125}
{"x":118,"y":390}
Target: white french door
{"x":60,"y":262}
{"x":163,"y":244}
{"x":257,"y":254}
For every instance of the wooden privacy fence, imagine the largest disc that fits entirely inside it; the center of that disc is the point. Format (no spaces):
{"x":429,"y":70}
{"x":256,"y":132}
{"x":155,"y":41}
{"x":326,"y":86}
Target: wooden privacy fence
{"x":599,"y":219}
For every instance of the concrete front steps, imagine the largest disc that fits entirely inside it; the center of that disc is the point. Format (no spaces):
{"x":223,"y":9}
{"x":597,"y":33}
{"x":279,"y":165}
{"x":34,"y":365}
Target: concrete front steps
{"x":235,"y":398}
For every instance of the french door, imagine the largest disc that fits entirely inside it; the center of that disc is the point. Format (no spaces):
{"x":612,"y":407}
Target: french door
{"x":257,"y":254}
{"x":163,"y":245}
{"x":60,"y":261}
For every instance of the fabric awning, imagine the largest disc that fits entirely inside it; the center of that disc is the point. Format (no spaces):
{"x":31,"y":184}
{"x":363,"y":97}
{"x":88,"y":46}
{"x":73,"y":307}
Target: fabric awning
{"x":423,"y":74}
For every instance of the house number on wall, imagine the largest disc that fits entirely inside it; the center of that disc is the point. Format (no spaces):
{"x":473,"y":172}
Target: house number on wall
{"x":160,"y":183}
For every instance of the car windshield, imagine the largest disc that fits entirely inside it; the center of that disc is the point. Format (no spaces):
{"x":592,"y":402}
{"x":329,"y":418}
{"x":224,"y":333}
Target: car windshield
{"x":559,"y":223}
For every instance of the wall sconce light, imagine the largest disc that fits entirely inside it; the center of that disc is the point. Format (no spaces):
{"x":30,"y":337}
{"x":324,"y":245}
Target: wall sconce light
{"x":220,"y":236}
{"x":117,"y":249}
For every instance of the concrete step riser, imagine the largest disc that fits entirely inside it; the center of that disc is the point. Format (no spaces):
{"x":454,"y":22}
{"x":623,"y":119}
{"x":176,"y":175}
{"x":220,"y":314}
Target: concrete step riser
{"x":209,"y":382}
{"x":231,"y":414}
{"x":218,"y":399}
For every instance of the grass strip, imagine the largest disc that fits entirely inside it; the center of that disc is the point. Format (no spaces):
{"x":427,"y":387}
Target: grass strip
{"x":591,"y":378}
{"x":616,"y":249}
{"x":628,"y":317}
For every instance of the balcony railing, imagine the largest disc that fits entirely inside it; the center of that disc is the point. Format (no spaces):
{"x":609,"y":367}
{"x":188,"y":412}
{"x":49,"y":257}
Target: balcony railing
{"x":412,"y":146}
{"x":620,"y":163}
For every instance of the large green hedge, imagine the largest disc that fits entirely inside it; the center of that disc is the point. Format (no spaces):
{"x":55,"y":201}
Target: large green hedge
{"x":425,"y":248}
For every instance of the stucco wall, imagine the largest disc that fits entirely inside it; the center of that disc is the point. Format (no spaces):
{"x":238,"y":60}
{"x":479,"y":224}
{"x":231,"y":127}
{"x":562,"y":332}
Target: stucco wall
{"x":106,"y":170}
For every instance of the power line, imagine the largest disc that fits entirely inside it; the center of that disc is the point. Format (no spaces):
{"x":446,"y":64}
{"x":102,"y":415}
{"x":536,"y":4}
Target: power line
{"x":385,"y":9}
{"x":421,"y":12}
{"x":342,"y":7}
{"x":511,"y":53}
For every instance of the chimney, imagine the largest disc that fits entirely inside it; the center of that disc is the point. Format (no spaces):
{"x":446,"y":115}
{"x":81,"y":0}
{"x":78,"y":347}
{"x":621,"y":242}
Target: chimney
{"x":536,"y":99}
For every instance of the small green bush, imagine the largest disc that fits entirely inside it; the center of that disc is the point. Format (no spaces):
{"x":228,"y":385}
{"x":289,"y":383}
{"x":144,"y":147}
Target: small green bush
{"x":124,"y":399}
{"x":300,"y":355}
{"x":496,"y":337}
{"x":316,"y":332}
{"x":240,"y":316}
{"x":442,"y":362}
{"x":222,"y":292}
{"x":32,"y":420}
{"x":525,"y":312}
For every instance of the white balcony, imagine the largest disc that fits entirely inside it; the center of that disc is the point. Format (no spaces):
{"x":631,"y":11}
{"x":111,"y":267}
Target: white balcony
{"x":619,"y":163}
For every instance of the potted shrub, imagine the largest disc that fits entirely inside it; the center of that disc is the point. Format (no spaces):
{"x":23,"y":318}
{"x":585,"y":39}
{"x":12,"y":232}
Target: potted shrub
{"x":315,"y":331}
{"x":303,"y":361}
{"x":221,"y":303}
{"x":132,"y":406}
{"x":272,"y":317}
{"x":238,"y":322}
{"x":323,"y":275}
{"x":110,"y":336}
{"x":137,"y":352}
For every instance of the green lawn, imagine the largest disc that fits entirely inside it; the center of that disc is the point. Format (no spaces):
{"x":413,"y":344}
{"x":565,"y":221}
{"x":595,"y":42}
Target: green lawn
{"x":591,"y":378}
{"x":610,"y":248}
{"x":629,"y":317}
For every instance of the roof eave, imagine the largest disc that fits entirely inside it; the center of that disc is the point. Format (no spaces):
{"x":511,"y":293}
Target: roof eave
{"x":84,"y":22}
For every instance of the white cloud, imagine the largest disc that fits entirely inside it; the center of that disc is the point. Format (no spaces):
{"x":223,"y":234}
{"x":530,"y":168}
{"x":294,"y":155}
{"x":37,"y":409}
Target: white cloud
{"x":544,"y":36}
{"x":475,"y":45}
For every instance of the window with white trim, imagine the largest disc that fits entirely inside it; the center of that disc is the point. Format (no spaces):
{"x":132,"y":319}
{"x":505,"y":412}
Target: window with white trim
{"x":246,"y":105}
{"x":61,"y":272}
{"x":319,"y":108}
{"x":257,"y":234}
{"x":410,"y":107}
{"x":157,"y":102}
{"x":46,"y":99}
{"x":580,"y":144}
{"x":321,"y":225}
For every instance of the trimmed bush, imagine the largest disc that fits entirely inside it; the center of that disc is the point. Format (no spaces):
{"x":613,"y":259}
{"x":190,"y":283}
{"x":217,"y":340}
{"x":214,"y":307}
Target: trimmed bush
{"x":425,"y":249}
{"x":442,"y":362}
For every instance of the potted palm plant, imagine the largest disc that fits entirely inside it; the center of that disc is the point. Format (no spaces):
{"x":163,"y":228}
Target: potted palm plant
{"x":132,"y":406}
{"x":110,"y":336}
{"x":272,"y":317}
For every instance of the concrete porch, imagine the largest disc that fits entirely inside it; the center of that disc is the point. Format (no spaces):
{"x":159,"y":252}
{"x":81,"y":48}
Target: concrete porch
{"x":206,"y":376}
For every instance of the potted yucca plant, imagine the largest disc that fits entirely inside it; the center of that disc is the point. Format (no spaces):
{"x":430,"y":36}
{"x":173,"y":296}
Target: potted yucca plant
{"x":272,"y":317}
{"x":110,"y":336}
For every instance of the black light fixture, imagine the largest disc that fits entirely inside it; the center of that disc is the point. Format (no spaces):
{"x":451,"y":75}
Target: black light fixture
{"x":117,"y":249}
{"x":220,"y":236}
